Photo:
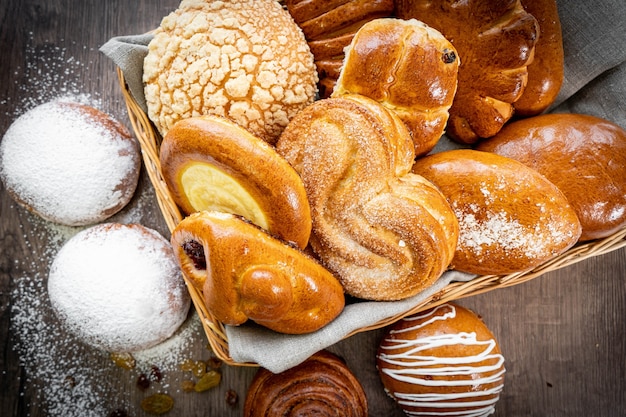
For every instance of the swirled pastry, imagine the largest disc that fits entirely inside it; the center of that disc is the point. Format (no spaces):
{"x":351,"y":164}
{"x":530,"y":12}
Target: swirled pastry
{"x":385,"y":232}
{"x":321,"y":386}
{"x":408,"y":67}
{"x":245,"y":273}
{"x":495,"y":41}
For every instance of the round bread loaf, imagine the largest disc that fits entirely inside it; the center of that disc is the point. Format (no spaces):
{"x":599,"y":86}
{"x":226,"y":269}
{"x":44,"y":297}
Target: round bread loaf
{"x":69,"y":163}
{"x":385,"y":232}
{"x":442,"y":362}
{"x":322,"y":386}
{"x":118,"y":287}
{"x":584,"y":156}
{"x":245,"y":60}
{"x":511,"y":218}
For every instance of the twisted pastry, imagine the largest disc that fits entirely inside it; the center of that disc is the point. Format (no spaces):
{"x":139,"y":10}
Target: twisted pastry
{"x":385,"y":232}
{"x":321,"y":386}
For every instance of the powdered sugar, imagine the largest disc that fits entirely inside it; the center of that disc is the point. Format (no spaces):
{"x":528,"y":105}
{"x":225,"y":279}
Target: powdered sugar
{"x":57,"y":160}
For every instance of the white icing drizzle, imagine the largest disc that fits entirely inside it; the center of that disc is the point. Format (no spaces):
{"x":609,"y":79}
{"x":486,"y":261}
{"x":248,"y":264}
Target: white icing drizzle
{"x":423,"y":370}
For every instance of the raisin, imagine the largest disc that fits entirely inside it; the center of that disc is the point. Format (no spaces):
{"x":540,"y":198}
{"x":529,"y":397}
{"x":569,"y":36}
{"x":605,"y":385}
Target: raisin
{"x":123,"y":360}
{"x":214,"y":362}
{"x":209,"y":380}
{"x":118,"y":413}
{"x":157,"y":403}
{"x":143,"y":382}
{"x":187,"y":365}
{"x":195,"y":251}
{"x":231,"y":397}
{"x":199,"y":369}
{"x":188,"y":385}
{"x":155,"y":374}
{"x":448,"y":56}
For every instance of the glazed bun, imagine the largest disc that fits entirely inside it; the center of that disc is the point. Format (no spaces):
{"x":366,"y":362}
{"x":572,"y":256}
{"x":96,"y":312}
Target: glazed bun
{"x":408,"y":67}
{"x":118,"y":287}
{"x":584,"y":156}
{"x":244,"y":273}
{"x":251,"y":64}
{"x":442,"y":362}
{"x":321,"y":386}
{"x":495,"y":41}
{"x":511,"y":218}
{"x":210,"y":163}
{"x":70,"y":163}
{"x":385,"y":232}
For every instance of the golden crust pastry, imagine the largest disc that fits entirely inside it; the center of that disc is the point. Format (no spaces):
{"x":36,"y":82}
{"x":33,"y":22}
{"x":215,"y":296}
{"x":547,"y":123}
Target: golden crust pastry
{"x":408,"y":67}
{"x":386,"y":233}
{"x":244,"y":60}
{"x":511,"y":218}
{"x":244,"y":273}
{"x":585,"y":156}
{"x":321,"y":386}
{"x":210,"y":163}
{"x":495,"y":41}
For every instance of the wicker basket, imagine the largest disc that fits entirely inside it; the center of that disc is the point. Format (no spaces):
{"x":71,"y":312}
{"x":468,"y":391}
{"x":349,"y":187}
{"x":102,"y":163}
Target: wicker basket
{"x":150,"y":141}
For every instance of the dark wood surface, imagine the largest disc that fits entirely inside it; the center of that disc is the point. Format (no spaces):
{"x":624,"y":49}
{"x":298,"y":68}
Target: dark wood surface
{"x":563,"y":335}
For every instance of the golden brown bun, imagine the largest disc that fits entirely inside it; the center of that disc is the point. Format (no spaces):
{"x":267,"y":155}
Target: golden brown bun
{"x":246,"y":60}
{"x":495,"y":41}
{"x":329,"y":27}
{"x":386,"y":233}
{"x":210,"y":163}
{"x":511,"y":218}
{"x":244,"y":273}
{"x":411,"y":69}
{"x":545,"y":73}
{"x":444,"y":361}
{"x":320,"y":386}
{"x":585,"y":156}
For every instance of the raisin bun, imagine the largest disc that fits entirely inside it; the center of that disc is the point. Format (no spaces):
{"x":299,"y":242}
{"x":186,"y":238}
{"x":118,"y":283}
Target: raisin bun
{"x":244,"y":60}
{"x":323,"y":385}
{"x":118,"y":287}
{"x":442,"y":362}
{"x":584,"y":156}
{"x":70,"y":163}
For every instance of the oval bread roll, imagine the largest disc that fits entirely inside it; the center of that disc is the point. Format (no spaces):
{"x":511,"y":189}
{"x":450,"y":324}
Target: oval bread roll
{"x":585,"y":156}
{"x":511,"y":218}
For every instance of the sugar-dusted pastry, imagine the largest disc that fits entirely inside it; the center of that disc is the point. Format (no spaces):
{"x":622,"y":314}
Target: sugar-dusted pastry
{"x":495,"y":41}
{"x":245,"y":273}
{"x":322,"y":386}
{"x":210,"y":163}
{"x":584,"y":156}
{"x":511,"y":218}
{"x":385,"y":232}
{"x":408,"y":67}
{"x":245,"y":60}
{"x":118,"y":287}
{"x":442,"y":362}
{"x":70,"y":163}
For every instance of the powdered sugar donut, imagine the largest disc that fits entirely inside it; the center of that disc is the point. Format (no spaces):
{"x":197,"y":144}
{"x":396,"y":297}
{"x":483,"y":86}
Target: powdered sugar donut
{"x":118,"y":287}
{"x":442,"y":362}
{"x":70,"y":163}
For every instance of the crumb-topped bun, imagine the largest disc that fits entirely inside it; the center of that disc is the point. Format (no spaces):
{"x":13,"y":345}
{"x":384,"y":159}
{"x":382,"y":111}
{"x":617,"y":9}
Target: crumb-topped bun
{"x":385,"y":232}
{"x":245,"y":273}
{"x":495,"y":41}
{"x":408,"y":67}
{"x":511,"y":218}
{"x":70,"y":163}
{"x":584,"y":156}
{"x":442,"y":362}
{"x":322,"y":386}
{"x":118,"y":287}
{"x":245,"y":60}
{"x":210,"y":163}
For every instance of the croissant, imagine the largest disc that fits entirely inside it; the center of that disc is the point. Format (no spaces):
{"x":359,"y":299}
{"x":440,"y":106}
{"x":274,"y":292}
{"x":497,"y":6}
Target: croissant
{"x":321,"y":386}
{"x":245,"y":273}
{"x":408,"y":67}
{"x":386,"y":233}
{"x":495,"y":41}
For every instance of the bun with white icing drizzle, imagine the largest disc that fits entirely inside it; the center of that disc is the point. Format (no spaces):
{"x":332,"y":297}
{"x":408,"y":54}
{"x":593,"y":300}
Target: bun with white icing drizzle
{"x":442,"y":362}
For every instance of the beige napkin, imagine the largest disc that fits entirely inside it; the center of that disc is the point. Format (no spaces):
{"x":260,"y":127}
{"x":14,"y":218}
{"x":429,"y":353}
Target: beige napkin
{"x":595,"y":83}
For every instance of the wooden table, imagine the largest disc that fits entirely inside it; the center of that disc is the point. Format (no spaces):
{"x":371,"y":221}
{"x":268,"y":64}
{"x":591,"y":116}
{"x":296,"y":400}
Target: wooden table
{"x":563,"y":334}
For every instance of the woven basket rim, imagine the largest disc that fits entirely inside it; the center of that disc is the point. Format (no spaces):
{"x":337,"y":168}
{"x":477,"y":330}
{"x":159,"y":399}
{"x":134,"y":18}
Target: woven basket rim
{"x":215,"y":331}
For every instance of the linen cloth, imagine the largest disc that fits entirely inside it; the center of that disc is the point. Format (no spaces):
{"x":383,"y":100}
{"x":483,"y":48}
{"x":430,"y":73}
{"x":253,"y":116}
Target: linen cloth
{"x":594,"y":41}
